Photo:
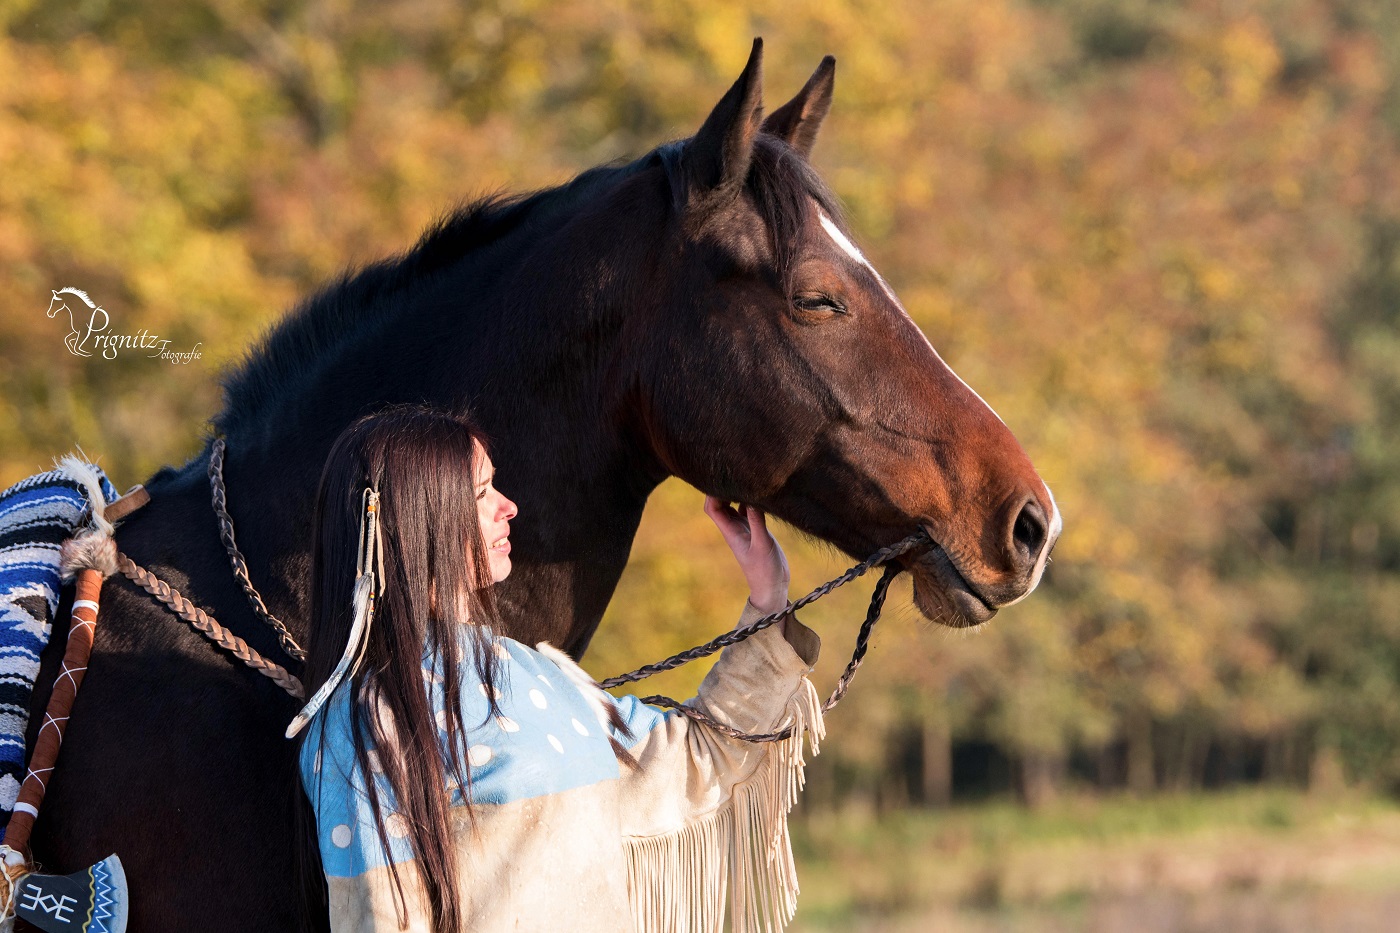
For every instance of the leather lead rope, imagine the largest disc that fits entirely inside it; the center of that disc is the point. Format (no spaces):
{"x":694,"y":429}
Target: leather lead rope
{"x":235,"y":556}
{"x":208,"y":626}
{"x":872,"y":615}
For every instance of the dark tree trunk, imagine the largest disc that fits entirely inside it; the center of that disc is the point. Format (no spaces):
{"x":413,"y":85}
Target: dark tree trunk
{"x":1142,"y":776}
{"x":938,"y":762}
{"x":1041,"y":775}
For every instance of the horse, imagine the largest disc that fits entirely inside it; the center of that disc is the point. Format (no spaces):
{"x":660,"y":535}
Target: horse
{"x":700,"y":312}
{"x":73,"y":341}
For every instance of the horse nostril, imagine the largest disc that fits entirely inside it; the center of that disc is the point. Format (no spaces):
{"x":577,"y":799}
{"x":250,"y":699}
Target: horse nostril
{"x":1028,"y":533}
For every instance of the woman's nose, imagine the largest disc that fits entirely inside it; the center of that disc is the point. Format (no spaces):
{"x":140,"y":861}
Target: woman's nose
{"x":510,"y":510}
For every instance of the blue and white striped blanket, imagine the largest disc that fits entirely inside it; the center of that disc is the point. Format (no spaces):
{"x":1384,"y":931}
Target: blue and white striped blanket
{"x":36,"y":516}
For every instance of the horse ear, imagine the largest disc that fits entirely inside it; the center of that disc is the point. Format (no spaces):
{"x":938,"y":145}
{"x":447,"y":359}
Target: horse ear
{"x":717,"y":158}
{"x":796,"y":122}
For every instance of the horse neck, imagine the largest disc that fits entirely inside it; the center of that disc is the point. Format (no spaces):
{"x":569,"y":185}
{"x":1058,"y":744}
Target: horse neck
{"x":559,"y":442}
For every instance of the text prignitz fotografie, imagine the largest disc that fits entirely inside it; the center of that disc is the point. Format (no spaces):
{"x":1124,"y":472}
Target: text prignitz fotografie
{"x":89,"y":331}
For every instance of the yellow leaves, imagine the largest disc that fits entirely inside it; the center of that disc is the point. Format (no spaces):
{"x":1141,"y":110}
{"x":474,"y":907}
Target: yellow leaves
{"x":1217,"y":281}
{"x":1287,"y":191}
{"x":723,"y":34}
{"x":1184,"y":164}
{"x":1250,"y":60}
{"x":915,"y":190}
{"x":1233,"y":68}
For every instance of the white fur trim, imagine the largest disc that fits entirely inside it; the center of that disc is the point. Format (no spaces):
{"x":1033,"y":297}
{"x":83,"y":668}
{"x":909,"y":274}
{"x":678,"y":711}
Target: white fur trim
{"x":90,"y":548}
{"x":86,"y":473}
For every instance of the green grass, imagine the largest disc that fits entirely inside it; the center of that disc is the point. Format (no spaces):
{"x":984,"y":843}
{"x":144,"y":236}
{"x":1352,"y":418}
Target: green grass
{"x":1066,"y":860}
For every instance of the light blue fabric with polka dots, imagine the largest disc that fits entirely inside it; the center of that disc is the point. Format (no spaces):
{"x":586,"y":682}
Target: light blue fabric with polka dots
{"x":546,"y":740}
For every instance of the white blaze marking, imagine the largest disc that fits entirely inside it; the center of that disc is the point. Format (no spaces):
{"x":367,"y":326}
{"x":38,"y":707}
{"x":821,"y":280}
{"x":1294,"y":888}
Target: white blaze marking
{"x":835,"y":233}
{"x":850,"y":249}
{"x":854,"y":252}
{"x":1056,"y":522}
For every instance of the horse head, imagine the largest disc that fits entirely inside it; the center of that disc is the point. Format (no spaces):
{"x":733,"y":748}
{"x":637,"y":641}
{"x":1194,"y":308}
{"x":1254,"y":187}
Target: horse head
{"x":57,"y":304}
{"x":784,"y":371}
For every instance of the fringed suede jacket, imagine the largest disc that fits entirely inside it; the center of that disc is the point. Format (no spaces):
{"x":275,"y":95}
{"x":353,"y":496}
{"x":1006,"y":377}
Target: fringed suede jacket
{"x":565,"y":837}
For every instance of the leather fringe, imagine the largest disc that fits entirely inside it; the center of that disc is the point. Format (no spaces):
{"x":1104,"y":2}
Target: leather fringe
{"x":679,"y":881}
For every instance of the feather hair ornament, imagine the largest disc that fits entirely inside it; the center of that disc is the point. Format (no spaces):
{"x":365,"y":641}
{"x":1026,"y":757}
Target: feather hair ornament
{"x":369,"y":585}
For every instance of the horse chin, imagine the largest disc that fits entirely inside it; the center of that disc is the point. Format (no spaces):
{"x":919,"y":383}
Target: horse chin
{"x":943,"y":596}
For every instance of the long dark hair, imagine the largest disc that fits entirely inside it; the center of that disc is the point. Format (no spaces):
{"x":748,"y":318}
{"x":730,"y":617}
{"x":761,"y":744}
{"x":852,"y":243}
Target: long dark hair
{"x":423,"y":462}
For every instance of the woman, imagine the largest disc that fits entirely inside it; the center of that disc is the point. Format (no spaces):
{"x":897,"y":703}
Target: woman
{"x":506,"y":790}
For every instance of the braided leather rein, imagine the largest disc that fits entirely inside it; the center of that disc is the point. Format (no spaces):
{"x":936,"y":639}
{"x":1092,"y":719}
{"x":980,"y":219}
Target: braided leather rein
{"x":883,"y":556}
{"x":235,"y":556}
{"x":204,"y":623}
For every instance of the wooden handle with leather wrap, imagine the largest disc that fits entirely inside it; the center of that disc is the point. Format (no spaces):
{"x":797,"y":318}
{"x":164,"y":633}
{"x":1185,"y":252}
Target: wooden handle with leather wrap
{"x":82,"y":624}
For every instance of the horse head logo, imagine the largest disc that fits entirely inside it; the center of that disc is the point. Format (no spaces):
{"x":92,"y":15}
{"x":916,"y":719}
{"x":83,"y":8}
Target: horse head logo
{"x":75,"y":339}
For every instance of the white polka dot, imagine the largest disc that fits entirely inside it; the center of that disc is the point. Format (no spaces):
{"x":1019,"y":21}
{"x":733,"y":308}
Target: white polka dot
{"x":558,"y":745}
{"x":478,"y":755}
{"x":442,"y":719}
{"x":493,"y":691}
{"x":396,"y":826}
{"x":507,"y":724}
{"x":580,"y":728}
{"x":431,"y":677}
{"x":501,"y":651}
{"x":375,"y":764}
{"x":537,"y":698}
{"x":341,"y":836}
{"x":545,"y":681}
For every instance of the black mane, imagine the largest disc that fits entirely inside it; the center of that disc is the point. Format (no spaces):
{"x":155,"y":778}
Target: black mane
{"x":286,"y":358}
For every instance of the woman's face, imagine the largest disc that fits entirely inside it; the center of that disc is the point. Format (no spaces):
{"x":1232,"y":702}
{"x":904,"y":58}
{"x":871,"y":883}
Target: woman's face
{"x":494,"y":511}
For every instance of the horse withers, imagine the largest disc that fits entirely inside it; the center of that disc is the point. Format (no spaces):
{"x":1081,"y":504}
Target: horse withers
{"x":701,"y":312}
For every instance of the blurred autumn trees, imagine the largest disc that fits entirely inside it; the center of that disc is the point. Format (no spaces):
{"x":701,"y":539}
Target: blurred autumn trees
{"x":1162,"y":238}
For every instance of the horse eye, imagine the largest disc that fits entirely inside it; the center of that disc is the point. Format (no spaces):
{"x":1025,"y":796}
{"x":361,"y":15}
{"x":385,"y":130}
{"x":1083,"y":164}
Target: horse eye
{"x":819,"y":304}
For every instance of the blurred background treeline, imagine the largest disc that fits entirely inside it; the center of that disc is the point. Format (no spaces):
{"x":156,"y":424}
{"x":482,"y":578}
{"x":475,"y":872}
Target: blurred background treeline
{"x":1161,"y":237}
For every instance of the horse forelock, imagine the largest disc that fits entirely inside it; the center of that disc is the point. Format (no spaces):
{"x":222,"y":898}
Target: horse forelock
{"x":782,"y":186}
{"x":789,"y":194}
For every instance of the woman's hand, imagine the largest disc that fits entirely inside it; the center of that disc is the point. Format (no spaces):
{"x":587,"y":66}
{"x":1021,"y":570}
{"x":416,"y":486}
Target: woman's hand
{"x":765,"y":568}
